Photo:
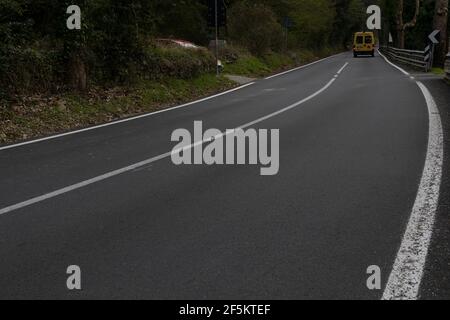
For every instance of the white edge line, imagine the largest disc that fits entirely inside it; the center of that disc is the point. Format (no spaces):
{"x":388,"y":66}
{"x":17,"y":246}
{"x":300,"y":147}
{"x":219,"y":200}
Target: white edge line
{"x":151,"y":160}
{"x":124,"y":120}
{"x":151,"y":113}
{"x":407,"y":273}
{"x":302,"y":67}
{"x":393,"y":65}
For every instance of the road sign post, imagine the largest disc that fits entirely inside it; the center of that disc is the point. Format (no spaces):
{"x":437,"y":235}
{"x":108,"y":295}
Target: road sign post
{"x":427,"y":57}
{"x":287,"y":24}
{"x":217,"y":17}
{"x":433,"y":37}
{"x":217,"y":37}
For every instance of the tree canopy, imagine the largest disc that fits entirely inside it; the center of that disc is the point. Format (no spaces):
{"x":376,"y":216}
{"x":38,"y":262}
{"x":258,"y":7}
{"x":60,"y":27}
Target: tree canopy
{"x":116,"y":35}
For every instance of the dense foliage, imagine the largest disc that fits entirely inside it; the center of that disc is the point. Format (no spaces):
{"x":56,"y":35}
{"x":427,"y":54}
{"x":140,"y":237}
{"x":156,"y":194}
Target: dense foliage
{"x":115,"y":45}
{"x":416,"y":37}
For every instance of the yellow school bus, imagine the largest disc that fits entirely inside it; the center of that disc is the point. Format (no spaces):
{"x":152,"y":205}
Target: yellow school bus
{"x":364,"y":44}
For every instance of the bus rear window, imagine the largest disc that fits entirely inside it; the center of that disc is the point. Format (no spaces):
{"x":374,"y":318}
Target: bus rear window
{"x":359,"y":40}
{"x":368,"y":40}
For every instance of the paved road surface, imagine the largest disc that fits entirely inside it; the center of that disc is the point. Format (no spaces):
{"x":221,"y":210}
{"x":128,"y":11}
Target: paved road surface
{"x":351,"y":160}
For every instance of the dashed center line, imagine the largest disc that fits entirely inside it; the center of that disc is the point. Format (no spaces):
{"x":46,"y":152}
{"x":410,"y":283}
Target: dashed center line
{"x":157,"y":158}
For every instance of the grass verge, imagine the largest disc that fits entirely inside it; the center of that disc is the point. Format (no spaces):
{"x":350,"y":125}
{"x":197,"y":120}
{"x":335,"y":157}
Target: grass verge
{"x":251,"y":66}
{"x":37,"y":116}
{"x":438,"y":71}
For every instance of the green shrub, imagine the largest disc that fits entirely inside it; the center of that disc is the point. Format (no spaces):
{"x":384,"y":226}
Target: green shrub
{"x":277,"y":61}
{"x":177,"y":63}
{"x":28,"y":70}
{"x":231,"y":54}
{"x":255,"y":26}
{"x":247,"y":65}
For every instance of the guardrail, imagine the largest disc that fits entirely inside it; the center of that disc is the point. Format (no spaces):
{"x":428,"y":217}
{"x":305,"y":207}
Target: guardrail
{"x":415,"y":58}
{"x":447,"y":66}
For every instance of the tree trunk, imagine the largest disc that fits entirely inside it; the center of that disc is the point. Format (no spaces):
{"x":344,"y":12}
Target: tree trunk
{"x":77,"y":72}
{"x":401,"y":26}
{"x":399,"y":23}
{"x":440,"y":23}
{"x":401,"y":38}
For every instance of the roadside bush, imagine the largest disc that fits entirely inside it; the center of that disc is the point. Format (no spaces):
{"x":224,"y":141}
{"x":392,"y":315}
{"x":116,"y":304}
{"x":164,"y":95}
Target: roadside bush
{"x":230,"y":54}
{"x":254,"y":26}
{"x":179,"y":63}
{"x":277,"y":61}
{"x":28,"y":70}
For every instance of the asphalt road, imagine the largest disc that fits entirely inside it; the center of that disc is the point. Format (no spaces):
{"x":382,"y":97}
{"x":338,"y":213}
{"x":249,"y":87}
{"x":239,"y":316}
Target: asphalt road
{"x":351,"y":160}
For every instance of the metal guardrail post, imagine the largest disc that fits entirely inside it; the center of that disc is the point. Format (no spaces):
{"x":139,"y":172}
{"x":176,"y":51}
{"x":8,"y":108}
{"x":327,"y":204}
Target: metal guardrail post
{"x":414,"y":58}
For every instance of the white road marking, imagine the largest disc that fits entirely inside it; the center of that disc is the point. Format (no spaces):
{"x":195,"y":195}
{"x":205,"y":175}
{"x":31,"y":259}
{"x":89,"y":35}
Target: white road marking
{"x":407,"y":273}
{"x":301,"y":67}
{"x":154,"y":159}
{"x":394,"y":65}
{"x":152,"y":113}
{"x":342,"y":69}
{"x":289,"y":107}
{"x":124,"y":120}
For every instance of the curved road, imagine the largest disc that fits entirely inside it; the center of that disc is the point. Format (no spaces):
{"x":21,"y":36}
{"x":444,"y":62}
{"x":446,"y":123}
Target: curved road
{"x":351,"y":160}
